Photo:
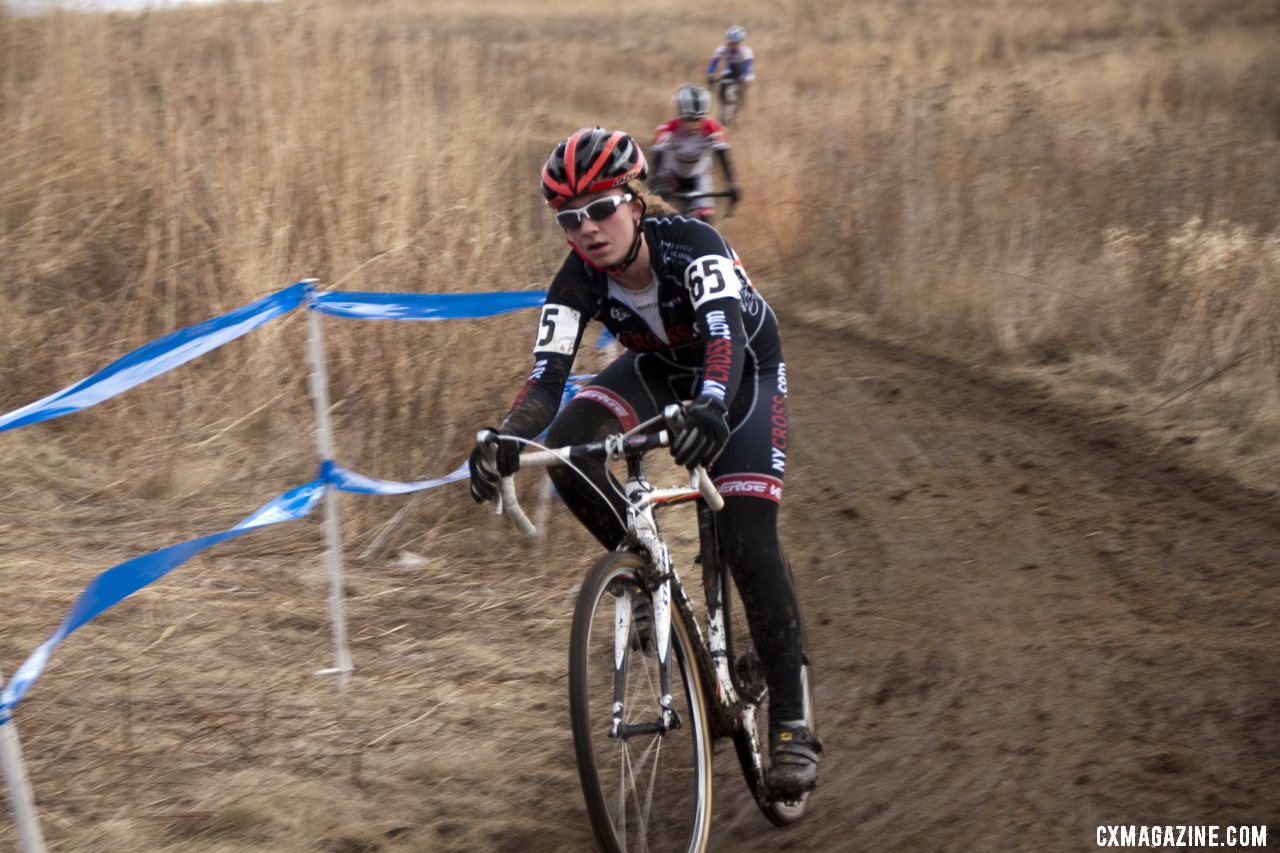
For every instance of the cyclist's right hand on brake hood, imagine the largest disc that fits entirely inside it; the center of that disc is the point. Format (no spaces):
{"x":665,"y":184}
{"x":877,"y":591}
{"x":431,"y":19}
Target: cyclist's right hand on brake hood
{"x":484,"y":480}
{"x":703,"y":434}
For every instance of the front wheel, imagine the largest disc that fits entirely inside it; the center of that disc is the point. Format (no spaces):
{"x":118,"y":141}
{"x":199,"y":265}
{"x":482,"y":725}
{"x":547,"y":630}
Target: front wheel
{"x":648,"y":784}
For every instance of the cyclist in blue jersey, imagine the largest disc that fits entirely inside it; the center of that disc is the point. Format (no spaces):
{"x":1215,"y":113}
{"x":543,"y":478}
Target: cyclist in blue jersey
{"x":676,"y":296}
{"x":733,"y":61}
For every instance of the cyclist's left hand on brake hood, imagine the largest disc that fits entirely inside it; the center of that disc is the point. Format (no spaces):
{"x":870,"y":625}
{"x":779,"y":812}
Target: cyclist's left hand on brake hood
{"x":484,"y":481}
{"x":704,"y":433}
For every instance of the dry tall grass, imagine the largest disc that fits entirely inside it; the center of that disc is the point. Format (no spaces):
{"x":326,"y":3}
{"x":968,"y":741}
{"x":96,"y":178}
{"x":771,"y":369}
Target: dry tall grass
{"x":1006,"y":181}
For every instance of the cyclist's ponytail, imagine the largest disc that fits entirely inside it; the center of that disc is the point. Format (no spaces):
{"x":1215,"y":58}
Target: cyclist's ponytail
{"x":655,"y":205}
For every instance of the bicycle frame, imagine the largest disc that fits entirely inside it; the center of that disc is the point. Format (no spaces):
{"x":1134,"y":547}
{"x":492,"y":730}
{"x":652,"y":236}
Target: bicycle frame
{"x":713,"y":649}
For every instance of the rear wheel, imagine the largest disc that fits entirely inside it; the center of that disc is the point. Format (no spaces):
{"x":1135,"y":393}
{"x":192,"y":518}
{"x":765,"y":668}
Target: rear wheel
{"x":752,"y":739}
{"x":646,"y":789}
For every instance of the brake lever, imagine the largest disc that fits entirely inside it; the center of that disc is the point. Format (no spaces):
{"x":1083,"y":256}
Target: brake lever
{"x":487,"y":441}
{"x":504,"y":502}
{"x":673,"y":414}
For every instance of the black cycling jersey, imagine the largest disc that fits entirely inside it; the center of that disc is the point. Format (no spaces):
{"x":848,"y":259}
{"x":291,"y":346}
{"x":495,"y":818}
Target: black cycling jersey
{"x":710,"y":311}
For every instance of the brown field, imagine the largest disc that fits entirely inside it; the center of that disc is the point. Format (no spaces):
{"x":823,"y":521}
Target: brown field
{"x":995,"y":230}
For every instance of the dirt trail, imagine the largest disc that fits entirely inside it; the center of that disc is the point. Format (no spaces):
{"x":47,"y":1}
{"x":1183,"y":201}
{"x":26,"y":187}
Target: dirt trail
{"x":1024,"y":626}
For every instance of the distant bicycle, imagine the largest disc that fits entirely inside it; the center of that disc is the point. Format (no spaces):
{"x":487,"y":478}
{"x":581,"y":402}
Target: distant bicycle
{"x":652,"y":678}
{"x":729,"y":91}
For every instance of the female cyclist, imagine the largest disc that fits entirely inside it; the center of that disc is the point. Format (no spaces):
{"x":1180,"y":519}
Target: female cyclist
{"x":681,"y":153}
{"x":676,"y":296}
{"x":733,"y":61}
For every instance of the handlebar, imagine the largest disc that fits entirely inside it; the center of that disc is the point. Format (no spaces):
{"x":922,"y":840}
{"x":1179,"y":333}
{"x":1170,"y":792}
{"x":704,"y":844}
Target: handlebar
{"x":686,"y":195}
{"x":611,"y":447}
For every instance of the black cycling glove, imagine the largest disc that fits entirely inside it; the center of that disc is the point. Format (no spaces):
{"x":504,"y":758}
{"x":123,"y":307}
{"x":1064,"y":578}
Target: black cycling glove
{"x":484,"y":482}
{"x":703,"y":434}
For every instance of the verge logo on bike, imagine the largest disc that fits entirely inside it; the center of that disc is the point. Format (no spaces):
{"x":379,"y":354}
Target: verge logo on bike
{"x":761,"y":485}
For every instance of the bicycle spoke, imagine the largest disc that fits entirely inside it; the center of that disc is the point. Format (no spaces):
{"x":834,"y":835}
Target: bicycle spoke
{"x":630,"y":785}
{"x":624,"y":770}
{"x":653,"y":779}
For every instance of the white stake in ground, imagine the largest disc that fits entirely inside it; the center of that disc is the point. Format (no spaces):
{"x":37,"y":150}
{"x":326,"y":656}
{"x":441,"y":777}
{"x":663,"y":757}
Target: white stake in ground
{"x":20,"y":798}
{"x":319,"y":381}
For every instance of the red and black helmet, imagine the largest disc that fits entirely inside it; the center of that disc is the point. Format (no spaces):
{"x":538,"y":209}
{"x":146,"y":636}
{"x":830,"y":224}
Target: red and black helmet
{"x":589,"y":161}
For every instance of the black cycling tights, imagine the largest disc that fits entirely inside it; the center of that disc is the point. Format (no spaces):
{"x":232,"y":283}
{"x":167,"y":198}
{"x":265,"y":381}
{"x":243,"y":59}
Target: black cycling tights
{"x":749,"y":534}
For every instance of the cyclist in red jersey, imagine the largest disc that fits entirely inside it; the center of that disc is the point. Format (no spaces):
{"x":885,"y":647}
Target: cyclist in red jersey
{"x":683,"y":148}
{"x":676,"y":296}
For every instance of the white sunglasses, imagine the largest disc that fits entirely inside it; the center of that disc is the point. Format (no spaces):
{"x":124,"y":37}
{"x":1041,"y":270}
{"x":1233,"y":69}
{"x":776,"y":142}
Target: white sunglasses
{"x":596,"y":211}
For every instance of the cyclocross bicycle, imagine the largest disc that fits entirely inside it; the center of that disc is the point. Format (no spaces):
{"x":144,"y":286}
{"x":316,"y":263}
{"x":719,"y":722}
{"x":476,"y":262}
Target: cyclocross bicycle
{"x":728,"y":85}
{"x":653,"y":680}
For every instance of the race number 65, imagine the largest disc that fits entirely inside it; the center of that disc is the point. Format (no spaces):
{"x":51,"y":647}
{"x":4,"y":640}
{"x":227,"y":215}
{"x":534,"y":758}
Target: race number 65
{"x":711,"y":277}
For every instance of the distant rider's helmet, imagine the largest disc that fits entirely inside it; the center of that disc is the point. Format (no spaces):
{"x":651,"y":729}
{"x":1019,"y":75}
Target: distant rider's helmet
{"x":735,"y":35}
{"x":693,"y":101}
{"x":591,"y":160}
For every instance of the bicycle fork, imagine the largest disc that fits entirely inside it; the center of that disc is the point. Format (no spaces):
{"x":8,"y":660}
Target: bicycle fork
{"x":667,"y":718}
{"x":645,"y":526}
